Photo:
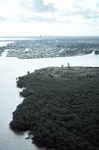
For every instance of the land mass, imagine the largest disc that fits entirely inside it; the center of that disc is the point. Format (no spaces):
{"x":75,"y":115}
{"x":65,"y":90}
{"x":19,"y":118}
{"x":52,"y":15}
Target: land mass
{"x":52,"y":47}
{"x":61,"y":107}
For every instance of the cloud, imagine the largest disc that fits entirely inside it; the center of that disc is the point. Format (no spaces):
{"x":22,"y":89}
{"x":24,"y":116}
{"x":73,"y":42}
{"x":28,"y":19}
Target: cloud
{"x":27,"y":11}
{"x":48,"y":10}
{"x":43,"y":19}
{"x":38,"y":6}
{"x":57,"y":14}
{"x":37,"y":18}
{"x":2,"y":19}
{"x":83,"y":13}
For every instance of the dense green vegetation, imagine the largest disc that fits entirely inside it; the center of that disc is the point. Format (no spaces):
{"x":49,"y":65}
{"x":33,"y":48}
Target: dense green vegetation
{"x":61,"y":107}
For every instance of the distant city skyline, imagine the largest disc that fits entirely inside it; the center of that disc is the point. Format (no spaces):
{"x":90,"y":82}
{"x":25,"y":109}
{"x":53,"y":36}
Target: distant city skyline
{"x":49,"y":17}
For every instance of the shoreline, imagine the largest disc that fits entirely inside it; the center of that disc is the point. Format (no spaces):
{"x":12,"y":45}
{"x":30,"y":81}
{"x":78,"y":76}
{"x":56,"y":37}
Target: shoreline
{"x":39,"y":103}
{"x":51,"y":48}
{"x":31,"y":64}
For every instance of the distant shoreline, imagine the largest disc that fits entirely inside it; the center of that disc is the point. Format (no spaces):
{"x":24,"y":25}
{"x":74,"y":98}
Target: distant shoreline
{"x":50,"y":47}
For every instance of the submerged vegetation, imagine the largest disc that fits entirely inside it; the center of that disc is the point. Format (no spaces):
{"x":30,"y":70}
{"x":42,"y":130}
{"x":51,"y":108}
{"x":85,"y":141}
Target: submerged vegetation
{"x":61,"y":107}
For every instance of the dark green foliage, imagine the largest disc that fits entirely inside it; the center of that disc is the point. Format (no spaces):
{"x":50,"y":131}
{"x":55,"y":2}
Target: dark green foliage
{"x":61,"y":108}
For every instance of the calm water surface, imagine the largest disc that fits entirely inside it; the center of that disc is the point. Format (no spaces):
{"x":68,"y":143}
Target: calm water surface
{"x":10,"y":69}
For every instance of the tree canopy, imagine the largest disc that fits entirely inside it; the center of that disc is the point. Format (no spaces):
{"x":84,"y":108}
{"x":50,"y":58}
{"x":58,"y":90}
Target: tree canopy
{"x":61,"y":107}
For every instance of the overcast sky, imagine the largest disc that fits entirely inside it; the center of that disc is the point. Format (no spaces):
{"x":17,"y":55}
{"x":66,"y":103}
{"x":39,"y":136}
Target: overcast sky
{"x":49,"y":17}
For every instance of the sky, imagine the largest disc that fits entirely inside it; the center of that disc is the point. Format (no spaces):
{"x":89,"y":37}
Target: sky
{"x":49,"y":17}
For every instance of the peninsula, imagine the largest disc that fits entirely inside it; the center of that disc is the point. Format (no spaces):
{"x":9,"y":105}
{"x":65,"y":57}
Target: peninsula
{"x":61,"y":107}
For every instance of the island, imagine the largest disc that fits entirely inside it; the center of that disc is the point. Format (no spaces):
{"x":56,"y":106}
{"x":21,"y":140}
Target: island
{"x":60,"y":107}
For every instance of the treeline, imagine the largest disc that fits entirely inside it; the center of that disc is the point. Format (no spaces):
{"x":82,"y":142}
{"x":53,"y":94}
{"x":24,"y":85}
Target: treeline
{"x":61,"y":108}
{"x":2,"y":49}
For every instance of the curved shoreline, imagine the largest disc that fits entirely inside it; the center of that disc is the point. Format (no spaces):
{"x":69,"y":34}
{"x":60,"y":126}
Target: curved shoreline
{"x":52,"y":113}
